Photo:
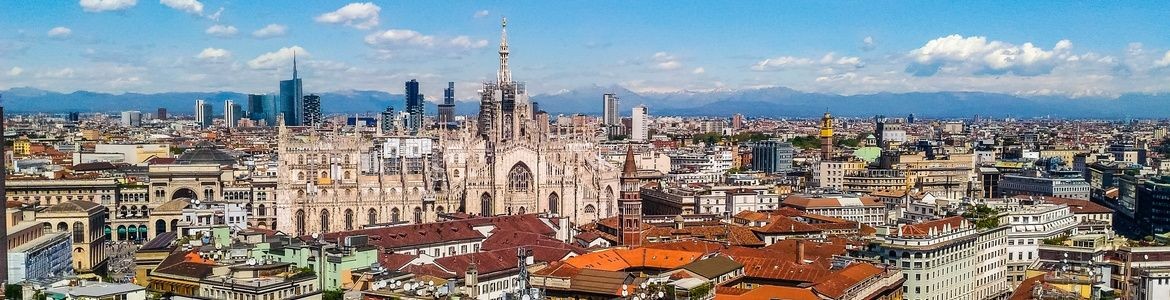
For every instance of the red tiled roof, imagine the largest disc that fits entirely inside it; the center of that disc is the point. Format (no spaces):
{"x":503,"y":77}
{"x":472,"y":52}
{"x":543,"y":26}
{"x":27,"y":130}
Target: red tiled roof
{"x":622,"y":259}
{"x":415,"y":235}
{"x":836,"y":285}
{"x":924,"y":229}
{"x":785,"y":224}
{"x":765,"y":292}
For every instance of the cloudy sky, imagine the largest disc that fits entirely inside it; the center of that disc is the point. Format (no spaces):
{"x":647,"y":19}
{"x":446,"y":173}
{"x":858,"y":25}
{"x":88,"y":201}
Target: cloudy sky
{"x":1031,"y":48}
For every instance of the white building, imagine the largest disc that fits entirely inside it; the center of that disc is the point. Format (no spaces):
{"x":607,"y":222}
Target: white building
{"x":132,"y":118}
{"x":609,"y":109}
{"x":862,"y":209}
{"x":948,"y":258}
{"x":98,"y":290}
{"x":1030,"y":225}
{"x":831,"y":174}
{"x":730,"y":200}
{"x":640,"y":123}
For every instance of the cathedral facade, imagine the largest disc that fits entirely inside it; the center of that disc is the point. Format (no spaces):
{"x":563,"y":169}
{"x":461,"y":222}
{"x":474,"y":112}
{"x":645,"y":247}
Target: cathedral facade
{"x":503,"y":162}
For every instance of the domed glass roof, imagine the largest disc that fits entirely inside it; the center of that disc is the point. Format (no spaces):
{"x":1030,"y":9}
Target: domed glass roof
{"x":205,"y":153}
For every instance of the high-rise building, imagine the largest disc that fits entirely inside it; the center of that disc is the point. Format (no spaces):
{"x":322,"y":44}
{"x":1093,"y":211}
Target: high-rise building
{"x":772,"y":156}
{"x":826,"y":136}
{"x":162,"y":113}
{"x":736,"y":121}
{"x":232,"y":113}
{"x":132,"y":118}
{"x":312,"y":115}
{"x":447,"y":108}
{"x":387,"y":121}
{"x":291,"y":102}
{"x":259,"y":108}
{"x":609,"y":109}
{"x":640,"y":124}
{"x":203,"y":113}
{"x":74,"y":117}
{"x":414,"y":106}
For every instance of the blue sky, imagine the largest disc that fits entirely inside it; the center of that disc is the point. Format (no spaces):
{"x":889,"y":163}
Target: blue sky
{"x":1028,"y":48}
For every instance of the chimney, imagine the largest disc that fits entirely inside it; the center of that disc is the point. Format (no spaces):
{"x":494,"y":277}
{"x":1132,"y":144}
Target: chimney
{"x":800,"y":251}
{"x":471,"y":281}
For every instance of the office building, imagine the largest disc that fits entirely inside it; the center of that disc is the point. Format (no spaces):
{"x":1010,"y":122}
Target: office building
{"x":312,"y":115}
{"x":447,"y":108}
{"x":1061,"y":183}
{"x":639,"y":130}
{"x":772,"y":156}
{"x":203,"y":113}
{"x":260,"y":108}
{"x":949,"y":258}
{"x":862,"y":209}
{"x":387,"y":121}
{"x":132,"y":118}
{"x":162,"y":113}
{"x":889,"y":131}
{"x":291,"y":101}
{"x":609,"y":103}
{"x":414,"y":106}
{"x":75,"y":117}
{"x":737,"y":121}
{"x":232,"y":113}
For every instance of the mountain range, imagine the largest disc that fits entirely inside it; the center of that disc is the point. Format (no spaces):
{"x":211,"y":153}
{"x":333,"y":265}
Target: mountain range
{"x":763,"y":102}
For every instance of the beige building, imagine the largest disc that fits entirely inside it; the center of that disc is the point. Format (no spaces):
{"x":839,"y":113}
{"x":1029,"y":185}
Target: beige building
{"x":136,"y":153}
{"x":84,"y":221}
{"x":946,"y":175}
{"x":831,"y":174}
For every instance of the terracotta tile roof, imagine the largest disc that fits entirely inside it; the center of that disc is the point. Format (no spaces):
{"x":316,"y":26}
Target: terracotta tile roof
{"x":1112,"y":193}
{"x":704,"y":247}
{"x":766,"y":292}
{"x":781,"y":269}
{"x":924,"y":229}
{"x":786,"y":225}
{"x":897,"y":193}
{"x":753,"y":216}
{"x":815,"y":251}
{"x":513,"y":239}
{"x":1024,"y":290}
{"x":602,"y":282}
{"x":394,"y":260}
{"x":818,"y":202}
{"x":410,"y":236}
{"x":835,"y":286}
{"x":622,"y":259}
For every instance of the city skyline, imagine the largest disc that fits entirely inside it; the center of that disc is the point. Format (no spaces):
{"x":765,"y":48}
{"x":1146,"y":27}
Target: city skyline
{"x":840,"y":48}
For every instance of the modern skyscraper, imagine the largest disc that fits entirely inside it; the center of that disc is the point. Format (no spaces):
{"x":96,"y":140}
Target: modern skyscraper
{"x":772,"y":156}
{"x":387,"y":120}
{"x":447,"y":108}
{"x":737,"y":121}
{"x":258,"y":108}
{"x":640,"y":124}
{"x":132,"y":118}
{"x":291,"y":101}
{"x":312,"y":115}
{"x":232,"y":113}
{"x":203,"y":113}
{"x":74,"y":117}
{"x":609,"y":109}
{"x":414,"y":106}
{"x":162,"y":113}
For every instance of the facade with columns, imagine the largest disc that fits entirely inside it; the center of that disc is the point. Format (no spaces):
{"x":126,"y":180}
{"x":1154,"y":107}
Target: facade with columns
{"x":503,"y":162}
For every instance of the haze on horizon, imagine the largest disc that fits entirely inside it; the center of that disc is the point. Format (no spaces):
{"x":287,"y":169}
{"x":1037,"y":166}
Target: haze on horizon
{"x":116,"y":46}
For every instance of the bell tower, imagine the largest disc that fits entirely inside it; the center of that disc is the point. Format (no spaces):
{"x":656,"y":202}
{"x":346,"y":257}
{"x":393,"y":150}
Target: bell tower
{"x":630,"y":203}
{"x":826,"y":136}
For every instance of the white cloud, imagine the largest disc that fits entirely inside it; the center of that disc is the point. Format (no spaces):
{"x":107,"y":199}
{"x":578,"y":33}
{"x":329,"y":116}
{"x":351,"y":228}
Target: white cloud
{"x":189,"y":6}
{"x":698,"y":70}
{"x":665,"y":61}
{"x":400,"y":37}
{"x":106,"y":5}
{"x":782,"y":62}
{"x":214,"y":54}
{"x":849,"y":61}
{"x":15,"y":71}
{"x":978,"y":55}
{"x":278,"y":58}
{"x":357,"y":15}
{"x":868,"y":43}
{"x":62,"y":73}
{"x":270,"y":31}
{"x":668,"y":65}
{"x":464,"y":41}
{"x":60,"y":32}
{"x":1165,"y":61}
{"x":215,"y":16}
{"x":480,"y":14}
{"x":222,"y":30}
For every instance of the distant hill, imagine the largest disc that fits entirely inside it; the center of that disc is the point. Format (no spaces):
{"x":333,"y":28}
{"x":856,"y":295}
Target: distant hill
{"x":773,"y":102}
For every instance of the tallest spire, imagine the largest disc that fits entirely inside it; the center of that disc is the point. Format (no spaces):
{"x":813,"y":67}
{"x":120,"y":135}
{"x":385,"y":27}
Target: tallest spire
{"x":294,"y":64}
{"x":504,"y":76}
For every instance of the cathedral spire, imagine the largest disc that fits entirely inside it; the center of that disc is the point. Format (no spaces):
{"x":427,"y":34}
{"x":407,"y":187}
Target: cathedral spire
{"x":629,"y":168}
{"x":505,"y":76}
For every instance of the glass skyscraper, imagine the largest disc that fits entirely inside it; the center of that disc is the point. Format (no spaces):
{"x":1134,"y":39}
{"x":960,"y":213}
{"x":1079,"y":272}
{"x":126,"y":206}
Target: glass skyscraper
{"x":414,"y":106}
{"x":291,"y":101}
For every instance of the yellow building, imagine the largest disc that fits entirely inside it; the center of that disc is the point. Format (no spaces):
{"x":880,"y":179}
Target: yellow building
{"x":21,"y":146}
{"x":85,"y":221}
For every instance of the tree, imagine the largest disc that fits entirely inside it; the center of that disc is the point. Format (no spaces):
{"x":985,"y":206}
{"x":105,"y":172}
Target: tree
{"x":13,"y":291}
{"x":332,"y":295}
{"x":806,"y":142}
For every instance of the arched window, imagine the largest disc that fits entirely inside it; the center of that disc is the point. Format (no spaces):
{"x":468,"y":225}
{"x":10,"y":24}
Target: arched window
{"x":300,"y":175}
{"x":261,"y":210}
{"x":208,"y":194}
{"x":457,"y":173}
{"x":417,"y":215}
{"x":395,"y":216}
{"x":519,"y":178}
{"x":78,"y":232}
{"x":373,"y":216}
{"x":589,"y":209}
{"x":324,"y":220}
{"x":348,"y":219}
{"x":47,"y":227}
{"x":324,"y":174}
{"x":300,"y":217}
{"x":347,"y":175}
{"x":62,"y":227}
{"x":439,"y":209}
{"x":160,"y":227}
{"x":554,"y":203}
{"x":523,"y":210}
{"x":486,"y":207}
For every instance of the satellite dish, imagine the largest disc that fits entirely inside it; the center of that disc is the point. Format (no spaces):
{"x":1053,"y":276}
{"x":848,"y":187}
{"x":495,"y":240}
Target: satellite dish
{"x":526,"y":297}
{"x":432,"y":282}
{"x":661,"y":295}
{"x":316,"y":235}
